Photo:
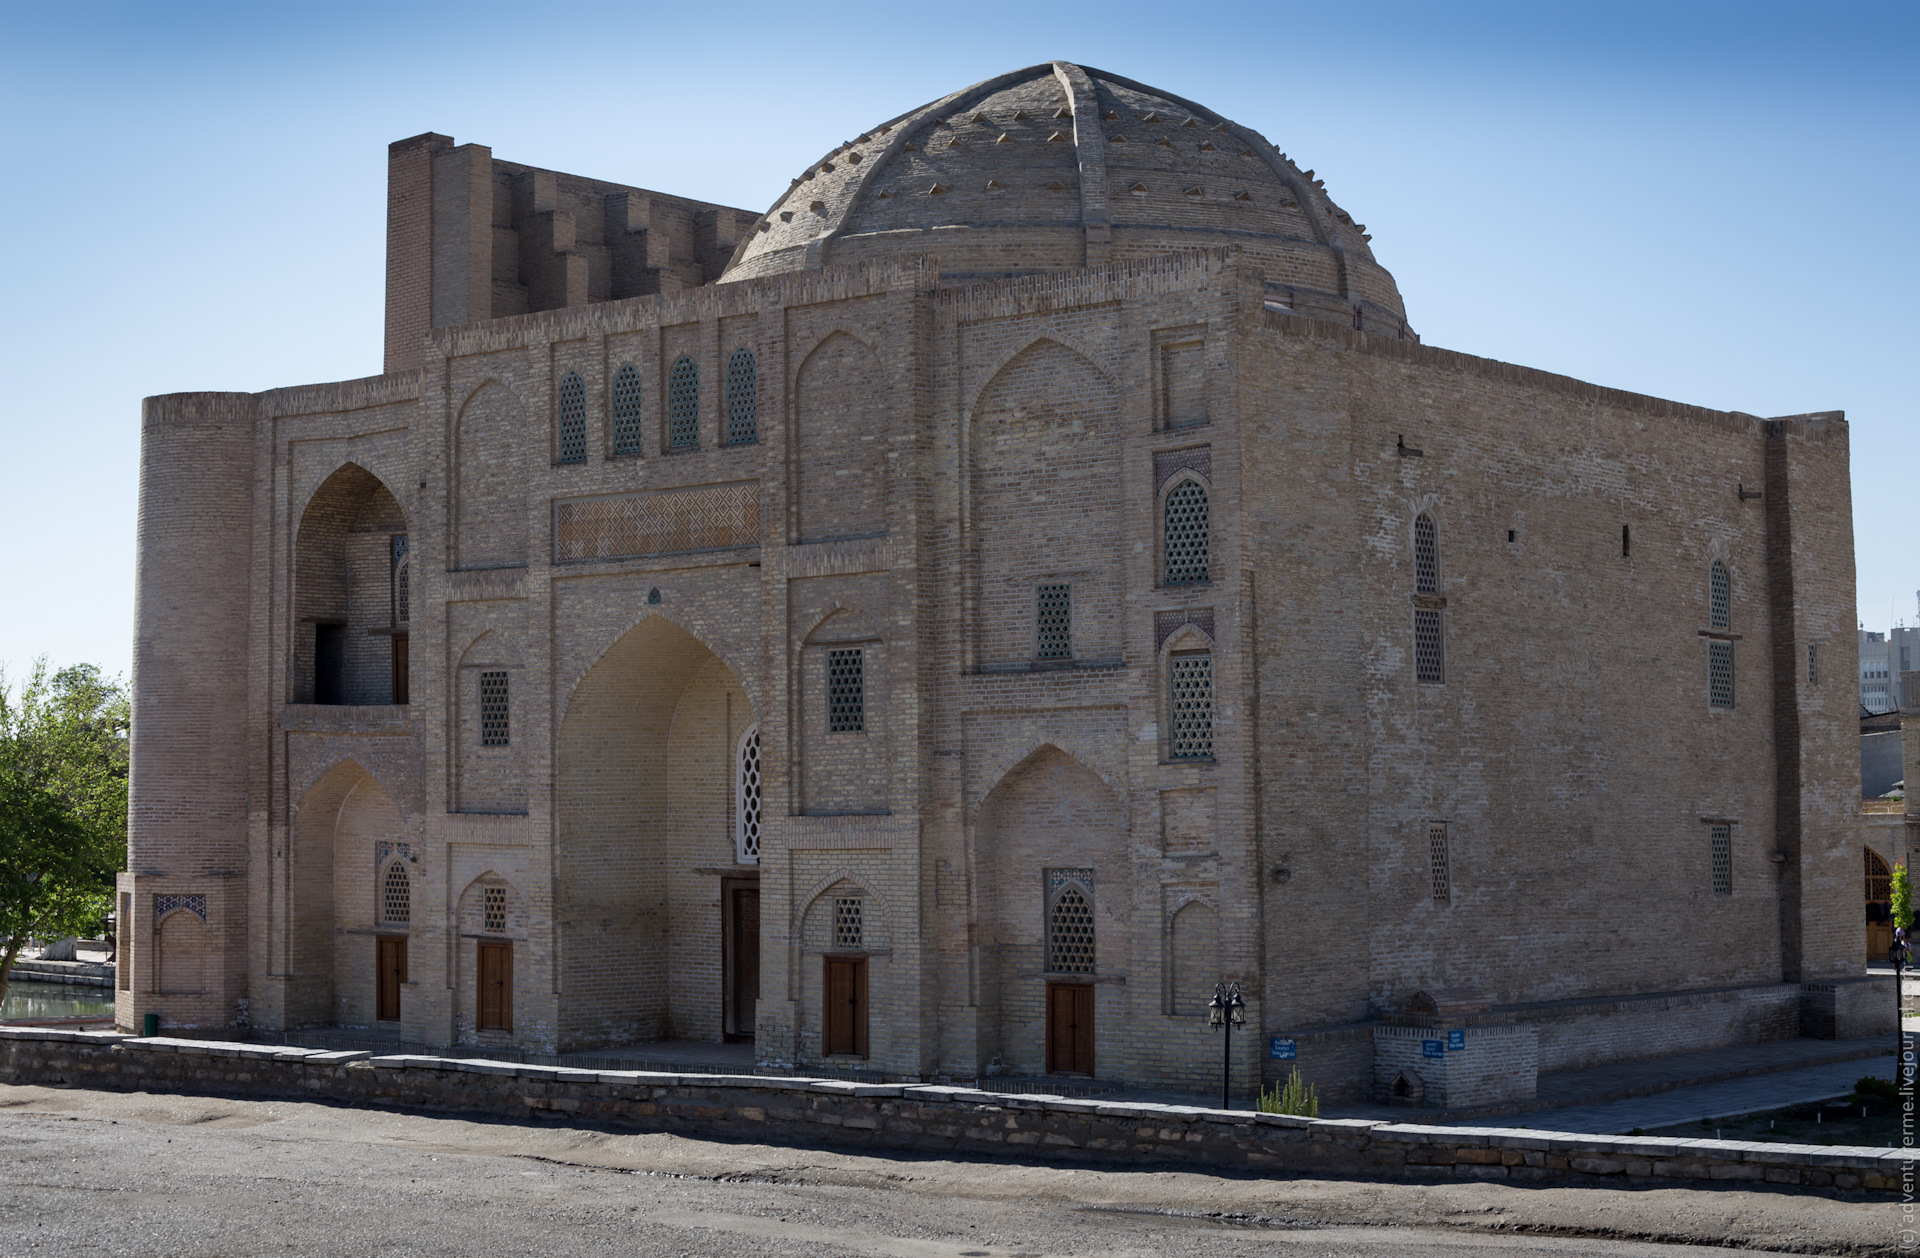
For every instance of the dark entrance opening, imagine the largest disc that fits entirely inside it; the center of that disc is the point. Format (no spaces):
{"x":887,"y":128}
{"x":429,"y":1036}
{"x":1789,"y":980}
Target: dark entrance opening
{"x":1069,"y":1029}
{"x":742,"y":933}
{"x":329,"y":662}
{"x":399,"y":668}
{"x":391,"y":952}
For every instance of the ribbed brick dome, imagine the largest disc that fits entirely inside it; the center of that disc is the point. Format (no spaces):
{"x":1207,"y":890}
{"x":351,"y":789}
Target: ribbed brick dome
{"x":1058,"y":166}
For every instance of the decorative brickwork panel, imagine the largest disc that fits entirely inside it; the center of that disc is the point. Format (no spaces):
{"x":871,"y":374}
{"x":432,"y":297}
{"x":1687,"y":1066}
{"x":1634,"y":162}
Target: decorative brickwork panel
{"x":1720,"y":674}
{"x":1720,"y":843}
{"x":1053,"y":622}
{"x":165,"y":904}
{"x":743,"y":398}
{"x":1165,"y":623}
{"x":628,"y":421}
{"x":1185,"y":538}
{"x":671,"y":522}
{"x":1198,"y":459}
{"x":683,"y":404}
{"x":1429,"y":648}
{"x":1190,"y":708}
{"x":570,"y":420}
{"x":846,"y":692}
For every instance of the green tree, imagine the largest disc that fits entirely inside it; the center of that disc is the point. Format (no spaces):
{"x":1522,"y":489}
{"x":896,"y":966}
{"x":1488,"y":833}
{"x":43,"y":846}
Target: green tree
{"x":1902,"y":899}
{"x":63,"y":804}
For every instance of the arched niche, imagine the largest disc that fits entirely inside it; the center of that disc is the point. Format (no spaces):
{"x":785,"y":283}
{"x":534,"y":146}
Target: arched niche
{"x":1044,"y":458}
{"x":350,"y":599}
{"x":488,"y":727}
{"x":844,"y":736}
{"x":840,"y":441}
{"x":347,"y":828}
{"x":490,"y":502}
{"x":644,"y":765}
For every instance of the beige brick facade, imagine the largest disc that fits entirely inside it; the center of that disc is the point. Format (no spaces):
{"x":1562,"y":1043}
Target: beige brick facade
{"x":1057,"y":332}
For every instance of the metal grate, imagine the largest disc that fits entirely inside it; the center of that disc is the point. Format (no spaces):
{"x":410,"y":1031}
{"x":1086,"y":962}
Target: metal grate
{"x":494,"y":728}
{"x":1429,"y":648}
{"x":1719,"y":596}
{"x":1437,"y":861}
{"x":402,"y":579}
{"x":683,"y":404}
{"x":846,"y":692}
{"x":1190,"y":681}
{"x":743,"y":398}
{"x":1722,"y":842}
{"x":1185,"y":542}
{"x":846,"y":922}
{"x":570,"y":413}
{"x":494,"y":906}
{"x":396,"y":894}
{"x":1053,"y":622}
{"x":1070,"y":923}
{"x":1720,"y":674}
{"x":1426,"y":556}
{"x":627,"y":425}
{"x":746,"y":800}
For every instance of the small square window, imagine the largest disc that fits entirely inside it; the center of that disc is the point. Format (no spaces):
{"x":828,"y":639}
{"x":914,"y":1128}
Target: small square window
{"x":494,"y":727}
{"x":1053,"y":622}
{"x":846,"y":692}
{"x":495,"y":906}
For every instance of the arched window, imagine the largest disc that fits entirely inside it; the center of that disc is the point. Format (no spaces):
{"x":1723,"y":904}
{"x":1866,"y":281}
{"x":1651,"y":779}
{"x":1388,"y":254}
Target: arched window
{"x":683,"y":404}
{"x":1719,"y":596}
{"x":1184,"y":542}
{"x":743,"y":398}
{"x":570,"y":420}
{"x":1070,"y":921}
{"x":1426,"y":556}
{"x":396,"y":893}
{"x":626,"y":410}
{"x":746,"y":799}
{"x":402,"y":580}
{"x":1190,"y":706}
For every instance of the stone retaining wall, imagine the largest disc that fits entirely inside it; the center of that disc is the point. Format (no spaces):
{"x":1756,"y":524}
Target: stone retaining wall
{"x":921,"y":1118}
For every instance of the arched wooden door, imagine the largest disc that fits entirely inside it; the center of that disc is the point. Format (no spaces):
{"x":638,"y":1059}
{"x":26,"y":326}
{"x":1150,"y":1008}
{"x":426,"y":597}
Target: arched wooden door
{"x":1879,"y":898}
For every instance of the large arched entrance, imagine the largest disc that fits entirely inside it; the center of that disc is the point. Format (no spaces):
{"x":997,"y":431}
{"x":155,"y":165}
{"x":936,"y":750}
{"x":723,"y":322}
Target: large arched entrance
{"x":355,"y":893}
{"x":656,"y":891}
{"x":351,"y":594}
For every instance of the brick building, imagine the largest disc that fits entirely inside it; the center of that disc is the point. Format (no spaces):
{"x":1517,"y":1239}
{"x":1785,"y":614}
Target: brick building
{"x":947,"y":623}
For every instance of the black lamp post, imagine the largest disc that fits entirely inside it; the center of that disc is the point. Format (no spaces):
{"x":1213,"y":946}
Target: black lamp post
{"x":1898,"y":954}
{"x":1226,"y":1011}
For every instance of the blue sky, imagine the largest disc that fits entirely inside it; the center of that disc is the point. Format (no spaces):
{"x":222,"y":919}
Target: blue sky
{"x":1704,"y":201}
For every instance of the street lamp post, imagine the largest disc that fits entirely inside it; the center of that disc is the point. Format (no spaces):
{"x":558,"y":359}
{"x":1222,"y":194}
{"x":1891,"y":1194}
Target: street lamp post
{"x":1225,"y":1011}
{"x":1898,"y":954}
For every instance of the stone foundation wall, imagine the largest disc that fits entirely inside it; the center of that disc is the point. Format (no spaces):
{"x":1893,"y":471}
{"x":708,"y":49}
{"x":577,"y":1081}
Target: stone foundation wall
{"x":928,"y":1119}
{"x":1575,"y":1034}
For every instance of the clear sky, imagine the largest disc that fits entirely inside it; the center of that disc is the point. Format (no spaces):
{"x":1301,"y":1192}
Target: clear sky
{"x":1712,"y":202}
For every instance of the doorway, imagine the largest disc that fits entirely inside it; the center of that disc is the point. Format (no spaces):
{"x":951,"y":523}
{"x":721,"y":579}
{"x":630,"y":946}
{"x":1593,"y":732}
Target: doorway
{"x":390,"y":953}
{"x":1069,"y":1029}
{"x":846,"y":1007}
{"x":1880,"y":921}
{"x":494,"y":965}
{"x":741,"y":930}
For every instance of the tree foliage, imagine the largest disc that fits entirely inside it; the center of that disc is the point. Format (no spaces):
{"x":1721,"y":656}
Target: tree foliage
{"x":63,"y":804}
{"x":1902,"y":897}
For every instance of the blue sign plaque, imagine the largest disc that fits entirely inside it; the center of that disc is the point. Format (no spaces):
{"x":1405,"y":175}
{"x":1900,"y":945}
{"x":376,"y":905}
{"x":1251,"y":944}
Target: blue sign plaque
{"x":1433,"y":1048}
{"x":1456,"y":1040}
{"x":1284,"y":1050}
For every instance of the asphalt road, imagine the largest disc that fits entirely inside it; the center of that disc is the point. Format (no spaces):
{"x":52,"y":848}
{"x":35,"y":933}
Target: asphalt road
{"x":139,"y":1173}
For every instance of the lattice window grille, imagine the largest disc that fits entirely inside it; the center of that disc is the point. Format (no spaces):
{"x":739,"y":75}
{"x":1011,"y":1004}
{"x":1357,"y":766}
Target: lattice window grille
{"x":627,"y":420}
{"x":1190,"y":680}
{"x":1426,"y":556}
{"x":396,"y":894}
{"x":571,"y":414}
{"x":846,"y":691}
{"x":669,"y":522}
{"x":495,"y":728}
{"x":1720,"y":674}
{"x":1053,"y":622}
{"x":1429,"y":648}
{"x":1185,"y":540}
{"x":402,"y":577}
{"x":743,"y":398}
{"x":746,"y":810}
{"x":165,"y":904}
{"x":1440,"y":872}
{"x":1070,"y":922}
{"x":493,"y":904}
{"x":683,"y":404}
{"x":1719,"y":596}
{"x":1813,"y":665}
{"x":847,"y":931}
{"x":1722,"y":844}
{"x":1879,"y":878}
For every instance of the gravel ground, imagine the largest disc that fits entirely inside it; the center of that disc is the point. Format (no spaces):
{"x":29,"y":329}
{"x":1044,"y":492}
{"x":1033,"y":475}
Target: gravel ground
{"x":139,"y":1173}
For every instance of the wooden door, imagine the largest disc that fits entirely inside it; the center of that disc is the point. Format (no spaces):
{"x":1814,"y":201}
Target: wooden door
{"x":495,"y":968}
{"x":391,"y":959}
{"x":1069,"y":1029}
{"x":743,"y":960}
{"x":846,"y":1011}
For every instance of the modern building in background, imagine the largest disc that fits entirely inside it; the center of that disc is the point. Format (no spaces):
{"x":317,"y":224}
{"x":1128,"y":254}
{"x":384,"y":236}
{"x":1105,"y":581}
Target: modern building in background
{"x":1883,"y":657}
{"x":943,"y":625}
